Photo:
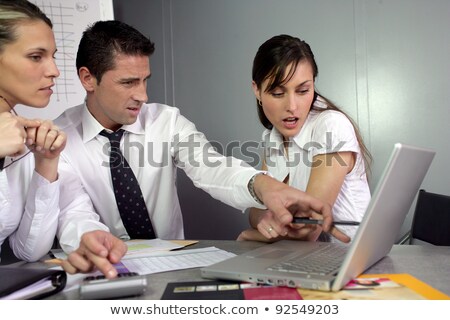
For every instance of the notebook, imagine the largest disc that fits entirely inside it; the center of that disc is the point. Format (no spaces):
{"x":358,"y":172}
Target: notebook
{"x":375,"y":237}
{"x":29,"y":283}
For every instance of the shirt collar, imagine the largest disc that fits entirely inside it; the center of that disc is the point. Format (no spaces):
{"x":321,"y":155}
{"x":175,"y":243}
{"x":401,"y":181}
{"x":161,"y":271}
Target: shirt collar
{"x":274,"y":140}
{"x":91,"y":127}
{"x":303,"y":138}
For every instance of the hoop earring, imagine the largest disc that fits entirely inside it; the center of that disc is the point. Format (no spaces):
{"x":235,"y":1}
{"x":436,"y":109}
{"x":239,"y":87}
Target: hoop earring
{"x":259,"y":102}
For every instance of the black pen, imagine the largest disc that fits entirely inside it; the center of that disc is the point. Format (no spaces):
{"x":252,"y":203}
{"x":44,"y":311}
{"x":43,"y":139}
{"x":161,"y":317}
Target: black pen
{"x":314,"y":221}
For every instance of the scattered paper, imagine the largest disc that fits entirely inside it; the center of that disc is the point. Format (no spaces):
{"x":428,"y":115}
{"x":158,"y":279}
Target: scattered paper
{"x":145,"y":248}
{"x":177,"y":260}
{"x":370,"y":283}
{"x":159,"y":261}
{"x":141,"y":248}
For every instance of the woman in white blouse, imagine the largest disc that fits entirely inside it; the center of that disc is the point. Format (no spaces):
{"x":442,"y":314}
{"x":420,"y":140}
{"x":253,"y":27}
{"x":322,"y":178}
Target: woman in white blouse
{"x":29,"y":149}
{"x":309,"y":143}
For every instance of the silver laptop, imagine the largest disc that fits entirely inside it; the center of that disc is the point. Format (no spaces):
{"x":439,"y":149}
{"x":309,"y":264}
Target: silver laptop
{"x":330,"y":266}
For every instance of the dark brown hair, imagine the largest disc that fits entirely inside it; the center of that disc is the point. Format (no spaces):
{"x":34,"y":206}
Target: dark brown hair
{"x":104,"y":40}
{"x":283,"y":53}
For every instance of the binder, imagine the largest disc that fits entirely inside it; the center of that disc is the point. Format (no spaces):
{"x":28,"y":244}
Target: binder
{"x":29,"y":283}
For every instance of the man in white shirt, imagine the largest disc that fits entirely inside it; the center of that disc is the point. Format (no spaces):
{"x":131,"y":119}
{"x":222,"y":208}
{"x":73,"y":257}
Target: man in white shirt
{"x":113,"y":66}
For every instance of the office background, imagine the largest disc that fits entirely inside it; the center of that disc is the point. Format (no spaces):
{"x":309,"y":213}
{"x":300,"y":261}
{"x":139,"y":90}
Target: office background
{"x":384,"y":62}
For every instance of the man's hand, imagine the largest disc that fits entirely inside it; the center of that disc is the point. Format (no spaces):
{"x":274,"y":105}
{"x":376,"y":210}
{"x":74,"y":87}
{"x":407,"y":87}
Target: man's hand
{"x":98,"y":249}
{"x":283,"y":203}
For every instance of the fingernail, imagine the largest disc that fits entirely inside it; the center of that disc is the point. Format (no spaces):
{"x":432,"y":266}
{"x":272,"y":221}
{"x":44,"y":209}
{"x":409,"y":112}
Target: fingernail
{"x":111,"y":273}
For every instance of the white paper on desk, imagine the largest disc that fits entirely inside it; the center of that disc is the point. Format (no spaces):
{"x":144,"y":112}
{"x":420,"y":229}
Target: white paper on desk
{"x":177,"y":260}
{"x":145,"y":248}
{"x":137,"y":248}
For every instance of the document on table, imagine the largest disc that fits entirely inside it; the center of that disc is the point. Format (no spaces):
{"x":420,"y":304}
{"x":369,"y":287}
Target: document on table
{"x":177,"y":260}
{"x":160,"y":262}
{"x":143,"y":248}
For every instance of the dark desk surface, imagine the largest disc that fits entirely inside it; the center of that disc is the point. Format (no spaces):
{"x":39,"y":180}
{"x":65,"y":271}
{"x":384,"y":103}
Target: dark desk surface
{"x":427,"y":263}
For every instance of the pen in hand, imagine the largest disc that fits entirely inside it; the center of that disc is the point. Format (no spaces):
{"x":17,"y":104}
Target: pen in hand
{"x":315,"y":221}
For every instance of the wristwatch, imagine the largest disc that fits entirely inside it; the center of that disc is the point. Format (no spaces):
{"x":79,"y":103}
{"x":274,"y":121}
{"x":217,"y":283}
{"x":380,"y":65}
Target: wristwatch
{"x":251,"y":188}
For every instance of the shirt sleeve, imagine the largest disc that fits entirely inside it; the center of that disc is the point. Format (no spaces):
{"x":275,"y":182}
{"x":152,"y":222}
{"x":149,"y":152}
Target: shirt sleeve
{"x":4,"y":206}
{"x":333,"y":133}
{"x":224,"y":178}
{"x":37,"y":229}
{"x":77,"y":214}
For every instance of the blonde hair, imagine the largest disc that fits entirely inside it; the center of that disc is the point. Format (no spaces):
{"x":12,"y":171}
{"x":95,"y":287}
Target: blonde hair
{"x":15,"y":12}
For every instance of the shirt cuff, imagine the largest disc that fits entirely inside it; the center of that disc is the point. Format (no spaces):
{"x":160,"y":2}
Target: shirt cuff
{"x":244,"y":193}
{"x":41,"y":188}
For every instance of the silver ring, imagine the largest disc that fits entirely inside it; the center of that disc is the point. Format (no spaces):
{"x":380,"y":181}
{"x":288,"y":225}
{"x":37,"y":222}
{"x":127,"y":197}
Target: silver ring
{"x":270,"y":229}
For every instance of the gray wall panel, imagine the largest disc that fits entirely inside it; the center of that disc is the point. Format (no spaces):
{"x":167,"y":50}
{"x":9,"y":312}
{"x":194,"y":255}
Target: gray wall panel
{"x":385,"y":62}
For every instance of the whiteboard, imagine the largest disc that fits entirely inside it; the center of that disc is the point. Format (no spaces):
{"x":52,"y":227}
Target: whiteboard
{"x":70,"y":18}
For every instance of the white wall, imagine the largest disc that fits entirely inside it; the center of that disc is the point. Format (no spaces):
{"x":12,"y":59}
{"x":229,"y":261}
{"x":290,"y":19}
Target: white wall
{"x":385,"y":62}
{"x":70,"y":18}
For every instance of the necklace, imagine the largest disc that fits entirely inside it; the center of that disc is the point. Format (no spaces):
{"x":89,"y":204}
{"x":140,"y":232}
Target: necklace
{"x":10,"y":107}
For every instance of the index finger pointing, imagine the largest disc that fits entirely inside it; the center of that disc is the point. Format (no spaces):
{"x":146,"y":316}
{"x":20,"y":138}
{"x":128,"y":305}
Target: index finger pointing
{"x":103,"y":265}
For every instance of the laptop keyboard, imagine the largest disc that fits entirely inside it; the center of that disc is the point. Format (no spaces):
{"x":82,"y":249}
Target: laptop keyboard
{"x":323,"y":261}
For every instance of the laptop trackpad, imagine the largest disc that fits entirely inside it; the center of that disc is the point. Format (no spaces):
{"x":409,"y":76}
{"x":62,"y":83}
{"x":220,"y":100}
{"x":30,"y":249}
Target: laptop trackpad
{"x":274,"y":254}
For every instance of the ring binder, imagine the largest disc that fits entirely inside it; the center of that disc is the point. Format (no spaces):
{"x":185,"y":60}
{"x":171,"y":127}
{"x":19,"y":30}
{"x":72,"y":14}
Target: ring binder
{"x":29,"y":283}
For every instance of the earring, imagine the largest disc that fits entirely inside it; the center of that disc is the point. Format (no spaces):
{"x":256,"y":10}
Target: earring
{"x":259,"y":102}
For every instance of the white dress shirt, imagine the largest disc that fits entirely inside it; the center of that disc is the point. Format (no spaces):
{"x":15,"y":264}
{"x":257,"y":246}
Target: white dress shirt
{"x":323,"y":132}
{"x":154,"y":146}
{"x":28,"y":209}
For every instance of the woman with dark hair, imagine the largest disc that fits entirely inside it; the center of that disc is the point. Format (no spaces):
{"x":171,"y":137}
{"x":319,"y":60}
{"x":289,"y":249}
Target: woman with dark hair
{"x":29,"y":149}
{"x":310,"y":143}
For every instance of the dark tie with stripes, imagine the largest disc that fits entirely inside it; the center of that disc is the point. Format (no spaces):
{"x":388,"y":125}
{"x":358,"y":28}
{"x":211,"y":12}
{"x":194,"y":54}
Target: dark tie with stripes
{"x":129,"y":199}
